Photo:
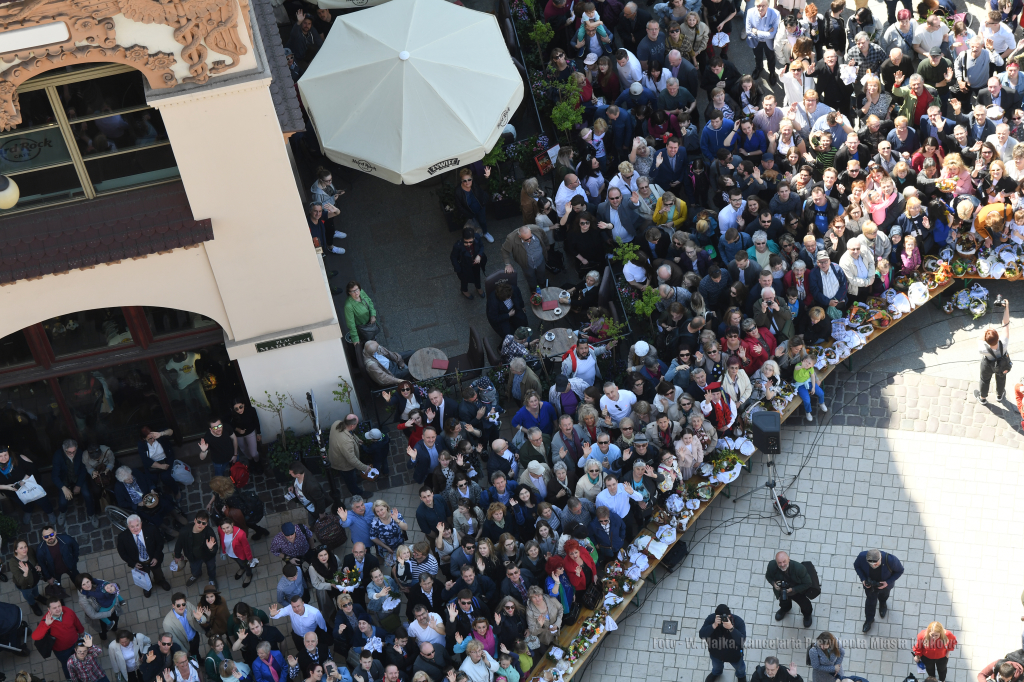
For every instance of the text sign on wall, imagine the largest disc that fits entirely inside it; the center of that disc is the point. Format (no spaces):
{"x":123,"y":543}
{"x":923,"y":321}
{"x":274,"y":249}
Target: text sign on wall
{"x":284,"y":342}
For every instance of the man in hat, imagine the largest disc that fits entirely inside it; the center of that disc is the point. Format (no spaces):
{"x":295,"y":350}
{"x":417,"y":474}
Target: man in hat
{"x":828,"y":285}
{"x":538,"y":476}
{"x":637,"y":354}
{"x":718,"y":409}
{"x":378,"y":447}
{"x":724,"y":632}
{"x":566,"y":394}
{"x":635,"y":97}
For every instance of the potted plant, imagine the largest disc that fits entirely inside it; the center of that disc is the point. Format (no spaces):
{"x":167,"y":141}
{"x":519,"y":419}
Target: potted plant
{"x":8,"y":529}
{"x":445,"y":194}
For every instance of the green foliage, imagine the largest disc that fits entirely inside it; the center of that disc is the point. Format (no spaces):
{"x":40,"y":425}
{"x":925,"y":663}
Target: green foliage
{"x":541,"y":33}
{"x":445,"y":194}
{"x":615,"y":329}
{"x":646,"y":305}
{"x":533,"y":8}
{"x":496,"y":155}
{"x":275,"y":405}
{"x":344,"y":392}
{"x":567,"y":113}
{"x":624,"y":252}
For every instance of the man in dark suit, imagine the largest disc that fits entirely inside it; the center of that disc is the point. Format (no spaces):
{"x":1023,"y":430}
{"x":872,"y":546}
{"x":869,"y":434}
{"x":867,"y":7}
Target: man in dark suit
{"x":608,"y":532}
{"x":368,"y":669}
{"x":439,"y":409}
{"x":629,"y":31}
{"x":995,"y":95}
{"x":141,"y":546}
{"x":671,"y":168}
{"x":851,"y":149}
{"x":828,"y":276}
{"x":482,"y":587}
{"x":71,"y":480}
{"x":517,"y":582}
{"x":50,"y":568}
{"x":654,"y":243}
{"x":621,"y":124}
{"x":978,"y":125}
{"x":743,"y":264}
{"x":313,"y":653}
{"x":365,"y":562}
{"x":312,"y":494}
{"x":428,"y":449}
{"x":505,"y":320}
{"x":427,"y":594}
{"x":615,"y":210}
{"x":718,"y":71}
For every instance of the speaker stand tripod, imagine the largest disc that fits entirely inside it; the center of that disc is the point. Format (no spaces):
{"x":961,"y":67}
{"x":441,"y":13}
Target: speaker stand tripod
{"x":770,"y":485}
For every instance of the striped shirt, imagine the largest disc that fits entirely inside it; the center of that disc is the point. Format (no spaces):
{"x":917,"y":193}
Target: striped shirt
{"x":429,"y":566}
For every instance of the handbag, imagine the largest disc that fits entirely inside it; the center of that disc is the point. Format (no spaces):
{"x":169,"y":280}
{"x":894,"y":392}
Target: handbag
{"x":45,"y":645}
{"x":142,"y":579}
{"x":367,"y":332}
{"x":573,"y":615}
{"x":330,"y":531}
{"x":592,"y":597}
{"x":182,"y":473}
{"x":30,"y":491}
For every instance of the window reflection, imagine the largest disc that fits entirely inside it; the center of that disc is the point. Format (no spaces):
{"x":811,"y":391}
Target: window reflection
{"x":31,"y":420}
{"x":198,"y":382}
{"x":87,"y":330}
{"x":167,"y":321}
{"x":110,"y":405}
{"x":14,"y":351}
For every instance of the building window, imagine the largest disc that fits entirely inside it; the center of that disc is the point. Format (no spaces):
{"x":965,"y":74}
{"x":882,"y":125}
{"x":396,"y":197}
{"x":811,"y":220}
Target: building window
{"x":14,"y":351}
{"x":83,"y":134}
{"x":172,"y":322}
{"x":87,"y":330}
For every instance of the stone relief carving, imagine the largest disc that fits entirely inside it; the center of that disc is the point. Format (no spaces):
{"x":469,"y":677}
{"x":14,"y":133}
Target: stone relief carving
{"x":198,"y":25}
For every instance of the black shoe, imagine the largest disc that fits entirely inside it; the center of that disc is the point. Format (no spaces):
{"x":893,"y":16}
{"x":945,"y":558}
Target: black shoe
{"x":248,"y":580}
{"x":773,"y":78}
{"x":238,"y":576}
{"x":332,"y":274}
{"x":981,"y":398}
{"x":103,"y":635}
{"x":780,"y":614}
{"x":1001,"y":397}
{"x":758,"y":72}
{"x":867,"y":625}
{"x":335,"y":291}
{"x":147,"y":593}
{"x":191,"y":581}
{"x":741,"y":678}
{"x":164,"y":585}
{"x":807,"y":621}
{"x":711,"y":677}
{"x":882,"y":610}
{"x":35,"y":609}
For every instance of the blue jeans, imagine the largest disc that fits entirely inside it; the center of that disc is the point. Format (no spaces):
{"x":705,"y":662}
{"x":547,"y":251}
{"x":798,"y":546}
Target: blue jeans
{"x":211,"y":568}
{"x":30,"y":594}
{"x":805,"y":396}
{"x":718,"y":666}
{"x":221,"y":469}
{"x":90,"y":503}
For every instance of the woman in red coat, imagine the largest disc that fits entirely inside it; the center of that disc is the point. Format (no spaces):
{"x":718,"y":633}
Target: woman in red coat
{"x":579,"y":567}
{"x":932,"y":648}
{"x":235,"y":544}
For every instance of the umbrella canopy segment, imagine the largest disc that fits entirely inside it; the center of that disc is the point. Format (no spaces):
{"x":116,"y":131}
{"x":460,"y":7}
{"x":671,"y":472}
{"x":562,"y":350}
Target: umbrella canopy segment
{"x":412,"y":87}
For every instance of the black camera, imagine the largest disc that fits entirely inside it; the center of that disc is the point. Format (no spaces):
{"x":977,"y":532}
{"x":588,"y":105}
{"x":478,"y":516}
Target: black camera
{"x":783,"y":585}
{"x":872,"y":583}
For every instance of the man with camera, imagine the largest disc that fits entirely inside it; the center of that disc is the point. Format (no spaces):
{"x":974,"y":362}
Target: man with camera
{"x":724,"y":634}
{"x":789,"y":580}
{"x":878,"y":571}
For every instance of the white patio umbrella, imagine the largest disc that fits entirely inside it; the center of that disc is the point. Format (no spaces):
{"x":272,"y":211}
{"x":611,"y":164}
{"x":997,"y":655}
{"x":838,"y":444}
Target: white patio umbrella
{"x":410,"y":88}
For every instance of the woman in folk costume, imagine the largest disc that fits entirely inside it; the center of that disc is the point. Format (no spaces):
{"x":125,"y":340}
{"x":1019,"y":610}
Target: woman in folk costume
{"x":720,"y":410}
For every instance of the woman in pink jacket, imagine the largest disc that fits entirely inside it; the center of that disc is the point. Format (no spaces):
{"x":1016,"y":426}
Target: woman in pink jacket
{"x":235,"y":544}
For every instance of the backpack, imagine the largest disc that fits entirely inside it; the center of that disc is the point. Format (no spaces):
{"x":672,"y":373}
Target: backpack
{"x":239,"y":475}
{"x":1014,"y":657}
{"x":814,"y":591}
{"x":250,"y":505}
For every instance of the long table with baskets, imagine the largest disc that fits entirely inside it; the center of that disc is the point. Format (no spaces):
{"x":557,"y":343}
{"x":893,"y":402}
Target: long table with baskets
{"x":568,"y":635}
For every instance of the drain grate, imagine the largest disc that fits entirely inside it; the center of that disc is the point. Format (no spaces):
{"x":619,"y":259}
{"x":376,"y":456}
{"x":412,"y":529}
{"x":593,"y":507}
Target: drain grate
{"x":669,"y":627}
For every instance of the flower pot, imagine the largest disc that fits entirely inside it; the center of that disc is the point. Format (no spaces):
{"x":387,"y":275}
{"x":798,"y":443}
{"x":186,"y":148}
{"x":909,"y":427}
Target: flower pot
{"x":504,"y":208}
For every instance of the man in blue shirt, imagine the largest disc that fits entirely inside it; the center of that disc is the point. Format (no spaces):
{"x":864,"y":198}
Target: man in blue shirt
{"x":357,"y":519}
{"x":762,"y":25}
{"x":635,"y":97}
{"x":718,"y":133}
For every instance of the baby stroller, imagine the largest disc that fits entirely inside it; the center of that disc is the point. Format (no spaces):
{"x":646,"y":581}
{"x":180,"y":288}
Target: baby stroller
{"x":13,"y":630}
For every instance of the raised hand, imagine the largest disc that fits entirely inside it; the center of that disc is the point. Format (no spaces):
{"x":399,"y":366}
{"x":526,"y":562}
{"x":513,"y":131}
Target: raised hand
{"x":898,"y":77}
{"x":211,"y":543}
{"x":292,"y":661}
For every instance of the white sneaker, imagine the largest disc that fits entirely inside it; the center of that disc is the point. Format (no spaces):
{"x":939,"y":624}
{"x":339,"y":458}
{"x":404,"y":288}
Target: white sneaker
{"x":823,"y":407}
{"x":809,"y":417}
{"x":338,"y":234}
{"x":743,"y":33}
{"x":337,"y":249}
{"x":488,"y":237}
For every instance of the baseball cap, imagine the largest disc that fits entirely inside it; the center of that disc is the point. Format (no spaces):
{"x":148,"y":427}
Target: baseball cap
{"x":591,"y":58}
{"x":636,"y":89}
{"x":935,"y":52}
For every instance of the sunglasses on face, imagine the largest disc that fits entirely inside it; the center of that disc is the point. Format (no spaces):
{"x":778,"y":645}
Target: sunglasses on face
{"x":603,"y":442}
{"x":200,"y":522}
{"x":627,"y":428}
{"x":49,"y":535}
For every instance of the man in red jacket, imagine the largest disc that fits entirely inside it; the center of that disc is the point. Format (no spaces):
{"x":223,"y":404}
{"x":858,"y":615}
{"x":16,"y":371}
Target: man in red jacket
{"x":65,"y":627}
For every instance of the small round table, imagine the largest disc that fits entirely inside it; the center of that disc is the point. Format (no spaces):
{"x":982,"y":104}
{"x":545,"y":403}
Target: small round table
{"x":551,"y":294}
{"x":421,"y":361}
{"x":556,"y":348}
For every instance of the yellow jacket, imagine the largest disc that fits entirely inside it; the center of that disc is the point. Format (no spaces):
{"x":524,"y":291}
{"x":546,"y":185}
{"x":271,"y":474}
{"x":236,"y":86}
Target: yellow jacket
{"x":677,"y":220}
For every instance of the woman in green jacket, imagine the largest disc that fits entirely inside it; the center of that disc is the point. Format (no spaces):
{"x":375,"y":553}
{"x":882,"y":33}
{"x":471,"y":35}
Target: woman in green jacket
{"x":359,"y":310}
